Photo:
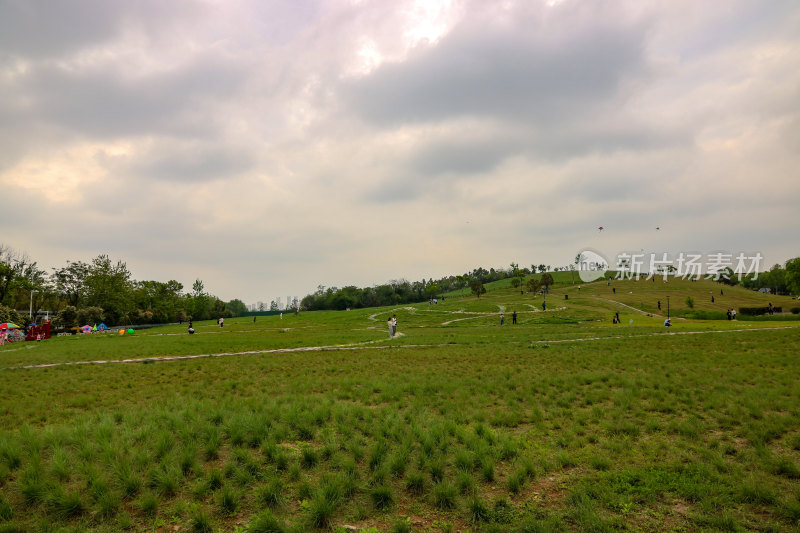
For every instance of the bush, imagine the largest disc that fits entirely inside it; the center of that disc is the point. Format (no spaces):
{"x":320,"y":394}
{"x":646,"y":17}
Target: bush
{"x":690,"y":302}
{"x":9,"y":315}
{"x":90,"y":315}
{"x":755,"y":311}
{"x":265,"y":523}
{"x":795,"y":310}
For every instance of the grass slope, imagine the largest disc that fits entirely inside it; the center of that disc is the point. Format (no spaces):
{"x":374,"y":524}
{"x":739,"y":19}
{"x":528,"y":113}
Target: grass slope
{"x":561,"y":422}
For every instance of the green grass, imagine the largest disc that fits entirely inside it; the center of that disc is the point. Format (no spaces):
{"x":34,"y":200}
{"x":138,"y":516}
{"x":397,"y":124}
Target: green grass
{"x":561,"y":422}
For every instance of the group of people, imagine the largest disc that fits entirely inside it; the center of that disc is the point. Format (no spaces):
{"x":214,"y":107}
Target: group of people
{"x":392,"y":323}
{"x":731,"y":314}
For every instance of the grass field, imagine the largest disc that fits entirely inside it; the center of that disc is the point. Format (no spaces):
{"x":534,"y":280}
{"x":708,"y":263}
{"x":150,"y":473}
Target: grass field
{"x":563,"y":421}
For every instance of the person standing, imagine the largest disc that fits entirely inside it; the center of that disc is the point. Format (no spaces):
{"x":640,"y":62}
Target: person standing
{"x":544,"y":306}
{"x":514,"y":317}
{"x":394,"y":325}
{"x":659,"y":305}
{"x":502,"y":319}
{"x":389,"y":325}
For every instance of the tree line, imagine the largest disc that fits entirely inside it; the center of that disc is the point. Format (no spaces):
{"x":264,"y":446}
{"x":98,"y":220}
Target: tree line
{"x":402,"y":291}
{"x":778,"y":279}
{"x":101,"y":290}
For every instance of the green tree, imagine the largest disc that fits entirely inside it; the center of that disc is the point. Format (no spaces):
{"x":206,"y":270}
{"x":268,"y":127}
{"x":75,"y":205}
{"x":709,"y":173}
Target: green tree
{"x":547,"y":280}
{"x":793,"y":275}
{"x":90,"y":316}
{"x":70,"y":281}
{"x":9,"y":315}
{"x":12,"y":266}
{"x":108,"y":286}
{"x":236,"y":307}
{"x":67,"y":317}
{"x":477,"y":288}
{"x":776,"y":280}
{"x":534,"y":285}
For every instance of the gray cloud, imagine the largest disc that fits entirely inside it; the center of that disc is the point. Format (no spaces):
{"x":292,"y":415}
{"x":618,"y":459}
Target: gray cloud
{"x":520,"y":72}
{"x":160,"y":131}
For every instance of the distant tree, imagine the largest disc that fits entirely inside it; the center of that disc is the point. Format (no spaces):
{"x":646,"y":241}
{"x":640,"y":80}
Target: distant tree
{"x":547,"y":280}
{"x":236,"y":307}
{"x":534,"y":285}
{"x":776,"y":280}
{"x":67,"y":317}
{"x":198,"y":288}
{"x":542,"y":268}
{"x":431,"y":290}
{"x":9,"y":315}
{"x":108,"y":286}
{"x":261,"y":306}
{"x":70,"y":281}
{"x":90,"y":316}
{"x":477,"y":288}
{"x":515,"y":282}
{"x":793,"y":275}
{"x":273,"y":305}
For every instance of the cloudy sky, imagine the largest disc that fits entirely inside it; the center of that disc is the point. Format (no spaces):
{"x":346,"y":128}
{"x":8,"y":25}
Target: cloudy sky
{"x":267,"y":147}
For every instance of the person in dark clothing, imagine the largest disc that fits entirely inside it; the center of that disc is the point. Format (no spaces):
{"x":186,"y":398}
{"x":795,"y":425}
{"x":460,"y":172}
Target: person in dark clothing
{"x":514,"y":317}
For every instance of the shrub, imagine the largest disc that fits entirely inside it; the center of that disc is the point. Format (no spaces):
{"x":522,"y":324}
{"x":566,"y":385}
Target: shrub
{"x":382,"y":497}
{"x":200,"y":521}
{"x":755,"y":311}
{"x":320,"y":511}
{"x":6,"y":512}
{"x":229,"y":501}
{"x":478,"y":510}
{"x":795,"y":310}
{"x":148,"y":503}
{"x":415,"y":483}
{"x":444,"y":495}
{"x":308,"y":457}
{"x":690,"y":302}
{"x":265,"y":522}
{"x":271,"y":494}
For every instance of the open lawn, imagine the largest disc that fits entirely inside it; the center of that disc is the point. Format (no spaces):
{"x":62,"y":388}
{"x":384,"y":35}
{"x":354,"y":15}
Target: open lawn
{"x":563,"y":421}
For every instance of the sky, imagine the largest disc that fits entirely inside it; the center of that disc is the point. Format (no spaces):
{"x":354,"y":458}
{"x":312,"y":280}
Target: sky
{"x":268,"y":147}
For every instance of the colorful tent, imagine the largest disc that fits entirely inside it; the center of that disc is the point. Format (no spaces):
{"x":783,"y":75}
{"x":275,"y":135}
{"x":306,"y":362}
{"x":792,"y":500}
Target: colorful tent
{"x":8,"y":325}
{"x":102,"y":327}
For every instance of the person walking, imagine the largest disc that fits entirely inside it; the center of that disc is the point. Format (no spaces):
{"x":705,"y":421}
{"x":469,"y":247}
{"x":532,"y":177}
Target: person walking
{"x":502,"y":319}
{"x":659,"y":305}
{"x":514,"y":317}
